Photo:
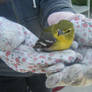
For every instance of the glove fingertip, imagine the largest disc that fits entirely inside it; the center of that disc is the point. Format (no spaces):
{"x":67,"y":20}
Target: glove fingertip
{"x":75,"y":45}
{"x":79,"y":57}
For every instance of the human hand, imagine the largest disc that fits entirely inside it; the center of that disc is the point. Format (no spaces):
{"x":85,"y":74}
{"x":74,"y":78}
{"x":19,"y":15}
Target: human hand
{"x":81,"y":72}
{"x":11,"y":34}
{"x":83,"y":27}
{"x":78,"y":74}
{"x":24,"y":58}
{"x":69,"y":76}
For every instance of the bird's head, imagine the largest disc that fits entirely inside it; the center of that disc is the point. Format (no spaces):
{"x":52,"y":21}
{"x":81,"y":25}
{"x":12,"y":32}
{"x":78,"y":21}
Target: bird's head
{"x":63,"y":28}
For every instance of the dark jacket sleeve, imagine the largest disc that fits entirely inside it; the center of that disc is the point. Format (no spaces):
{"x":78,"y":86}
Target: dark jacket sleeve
{"x":50,"y":6}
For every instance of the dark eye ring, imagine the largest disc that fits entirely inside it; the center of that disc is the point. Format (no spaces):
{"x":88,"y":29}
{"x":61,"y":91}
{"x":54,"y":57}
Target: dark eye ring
{"x":67,"y":31}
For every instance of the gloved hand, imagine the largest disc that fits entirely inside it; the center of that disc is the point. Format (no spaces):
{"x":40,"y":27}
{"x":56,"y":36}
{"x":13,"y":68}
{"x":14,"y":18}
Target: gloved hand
{"x":83,"y":29}
{"x":11,"y":34}
{"x":17,"y":50}
{"x":77,"y":74}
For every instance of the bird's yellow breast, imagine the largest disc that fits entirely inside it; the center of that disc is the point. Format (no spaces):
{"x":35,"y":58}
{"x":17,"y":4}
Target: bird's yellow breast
{"x":64,"y":43}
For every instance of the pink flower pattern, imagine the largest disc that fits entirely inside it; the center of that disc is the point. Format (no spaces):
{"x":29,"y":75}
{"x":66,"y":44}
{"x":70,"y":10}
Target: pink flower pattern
{"x":83,"y":35}
{"x":19,"y":54}
{"x":83,"y":29}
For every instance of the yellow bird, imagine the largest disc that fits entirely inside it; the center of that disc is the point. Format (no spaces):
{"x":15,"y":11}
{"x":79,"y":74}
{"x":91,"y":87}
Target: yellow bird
{"x":63,"y":32}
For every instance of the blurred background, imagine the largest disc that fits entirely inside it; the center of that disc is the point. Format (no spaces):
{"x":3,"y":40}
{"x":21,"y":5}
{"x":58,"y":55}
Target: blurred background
{"x":83,"y":6}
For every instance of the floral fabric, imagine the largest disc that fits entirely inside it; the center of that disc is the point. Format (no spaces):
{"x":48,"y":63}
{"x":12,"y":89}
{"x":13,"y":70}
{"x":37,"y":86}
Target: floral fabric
{"x":16,"y":50}
{"x":78,"y":74}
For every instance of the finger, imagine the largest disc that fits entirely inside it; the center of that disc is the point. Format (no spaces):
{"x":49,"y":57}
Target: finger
{"x":54,"y":68}
{"x":70,"y":76}
{"x":79,"y":57}
{"x":48,"y":59}
{"x":53,"y":79}
{"x":69,"y":56}
{"x":75,"y":45}
{"x":76,"y":71}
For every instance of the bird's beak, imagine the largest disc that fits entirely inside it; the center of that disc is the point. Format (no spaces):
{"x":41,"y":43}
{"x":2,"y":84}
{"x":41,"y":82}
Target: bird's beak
{"x":60,"y":32}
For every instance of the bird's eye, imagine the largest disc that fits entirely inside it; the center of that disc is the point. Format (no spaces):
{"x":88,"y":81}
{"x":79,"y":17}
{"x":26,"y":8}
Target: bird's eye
{"x":68,"y":31}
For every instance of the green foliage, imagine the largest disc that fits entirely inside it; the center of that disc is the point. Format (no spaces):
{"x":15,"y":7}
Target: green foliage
{"x":81,"y":2}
